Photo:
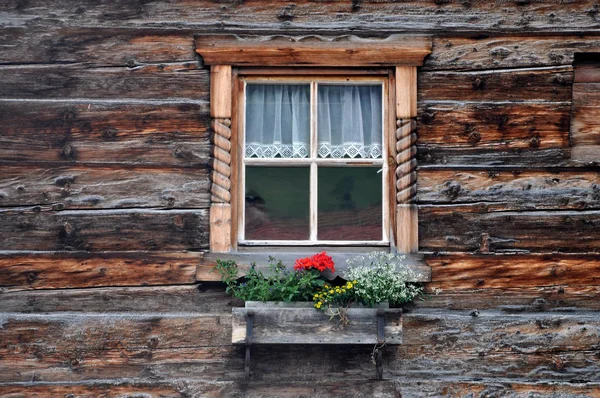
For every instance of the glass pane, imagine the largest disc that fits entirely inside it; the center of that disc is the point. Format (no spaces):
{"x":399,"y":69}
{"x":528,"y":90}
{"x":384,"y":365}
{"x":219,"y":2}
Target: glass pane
{"x":277,"y":203}
{"x":350,"y":121}
{"x":277,"y":120}
{"x":350,"y":203}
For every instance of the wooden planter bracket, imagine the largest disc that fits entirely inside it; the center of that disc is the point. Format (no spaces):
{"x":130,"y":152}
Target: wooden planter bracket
{"x":367,"y":327}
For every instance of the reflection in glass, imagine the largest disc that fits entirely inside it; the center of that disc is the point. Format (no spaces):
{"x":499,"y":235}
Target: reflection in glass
{"x":277,"y":203}
{"x":349,"y":204}
{"x":277,"y":120}
{"x":350,"y":121}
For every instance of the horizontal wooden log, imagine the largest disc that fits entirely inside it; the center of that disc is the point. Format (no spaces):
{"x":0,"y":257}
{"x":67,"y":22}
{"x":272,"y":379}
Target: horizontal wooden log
{"x":514,"y":299}
{"x":300,"y":323}
{"x":186,"y":387}
{"x":103,"y":230}
{"x":551,"y":84}
{"x":501,"y":126}
{"x":78,"y":187}
{"x":173,"y":80}
{"x":587,"y":71}
{"x":105,"y":132}
{"x":439,"y":330}
{"x":207,"y":271}
{"x":511,"y":190}
{"x":462,"y":228}
{"x":70,"y":270}
{"x":444,"y":156}
{"x":512,"y":387}
{"x":114,"y":46}
{"x":514,"y":51}
{"x":329,"y":17}
{"x":455,"y":272}
{"x":312,"y":50}
{"x":204,"y":298}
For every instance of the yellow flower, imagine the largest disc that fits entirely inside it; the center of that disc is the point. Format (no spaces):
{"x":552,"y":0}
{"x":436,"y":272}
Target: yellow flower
{"x":350,"y":285}
{"x":318,"y":305}
{"x":331,"y":292}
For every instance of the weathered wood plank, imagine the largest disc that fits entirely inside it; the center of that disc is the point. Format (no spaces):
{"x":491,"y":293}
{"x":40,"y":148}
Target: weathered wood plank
{"x":443,"y":156}
{"x":513,"y":299}
{"x":449,"y":332}
{"x":173,"y":81}
{"x":511,"y":190}
{"x":494,"y":125}
{"x":70,"y":270}
{"x":312,"y":50}
{"x":469,"y":227}
{"x":295,"y":325}
{"x":324,"y":17}
{"x":512,"y":387}
{"x":105,"y":132}
{"x":99,"y":47}
{"x":551,"y":84}
{"x":206,"y":270}
{"x":183,"y":388}
{"x":77,"y":187}
{"x":103,"y":230}
{"x":204,"y":298}
{"x":516,"y":51}
{"x":454,"y":272}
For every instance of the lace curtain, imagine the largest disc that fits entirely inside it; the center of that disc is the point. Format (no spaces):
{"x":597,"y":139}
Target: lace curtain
{"x":278,"y":121}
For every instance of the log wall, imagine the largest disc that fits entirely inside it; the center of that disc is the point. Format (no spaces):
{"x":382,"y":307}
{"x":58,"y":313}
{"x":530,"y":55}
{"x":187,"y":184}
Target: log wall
{"x":104,"y":198}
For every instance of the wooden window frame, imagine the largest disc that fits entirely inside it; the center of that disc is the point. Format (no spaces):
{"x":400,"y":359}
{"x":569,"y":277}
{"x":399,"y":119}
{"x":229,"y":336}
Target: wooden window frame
{"x":230,"y":56}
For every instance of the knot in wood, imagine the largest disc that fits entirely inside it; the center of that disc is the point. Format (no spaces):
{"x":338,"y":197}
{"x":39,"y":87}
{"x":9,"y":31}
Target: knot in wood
{"x":479,"y":83}
{"x":534,"y":142}
{"x":474,"y":137}
{"x":68,"y":228}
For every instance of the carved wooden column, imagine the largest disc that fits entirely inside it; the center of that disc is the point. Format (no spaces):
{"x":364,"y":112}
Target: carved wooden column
{"x":220,"y":112}
{"x":407,"y":236}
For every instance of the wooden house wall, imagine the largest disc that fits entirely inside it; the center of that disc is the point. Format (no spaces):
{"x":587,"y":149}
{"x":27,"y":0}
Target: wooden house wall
{"x":104,"y":178}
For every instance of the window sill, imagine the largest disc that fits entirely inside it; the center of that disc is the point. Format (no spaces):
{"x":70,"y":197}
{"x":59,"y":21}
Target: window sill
{"x":244,"y":259}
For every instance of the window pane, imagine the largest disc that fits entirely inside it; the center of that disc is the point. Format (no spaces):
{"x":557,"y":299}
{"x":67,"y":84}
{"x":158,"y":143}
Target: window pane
{"x":277,"y":120}
{"x":277,"y":203}
{"x":349,"y":203}
{"x":349,"y":121}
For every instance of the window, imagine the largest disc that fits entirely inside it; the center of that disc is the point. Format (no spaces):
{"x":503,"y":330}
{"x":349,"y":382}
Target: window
{"x":314,"y":140}
{"x":313,"y":167}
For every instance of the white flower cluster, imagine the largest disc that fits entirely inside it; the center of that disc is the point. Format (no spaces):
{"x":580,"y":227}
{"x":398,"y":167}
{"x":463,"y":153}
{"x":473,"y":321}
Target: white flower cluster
{"x":382,"y":277}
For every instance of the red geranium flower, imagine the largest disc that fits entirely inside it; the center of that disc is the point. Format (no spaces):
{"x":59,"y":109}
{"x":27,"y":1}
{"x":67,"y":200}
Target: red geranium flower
{"x":320,"y":261}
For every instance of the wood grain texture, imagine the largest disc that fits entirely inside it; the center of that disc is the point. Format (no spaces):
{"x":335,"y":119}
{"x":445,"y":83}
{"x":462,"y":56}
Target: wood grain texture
{"x":220,"y":228}
{"x":103,"y":230}
{"x":511,"y":189}
{"x":220,"y":91}
{"x":548,"y":83}
{"x":501,"y":126}
{"x":341,"y":51}
{"x":455,"y":272}
{"x":78,"y":187}
{"x":173,"y":80}
{"x":406,"y":92}
{"x":203,"y":298}
{"x":182,"y":388}
{"x":462,"y":228}
{"x":511,"y":51}
{"x":98,"y":47}
{"x":77,"y":270}
{"x":114,"y":132}
{"x":307,"y":16}
{"x":438,"y":156}
{"x":585,"y":128}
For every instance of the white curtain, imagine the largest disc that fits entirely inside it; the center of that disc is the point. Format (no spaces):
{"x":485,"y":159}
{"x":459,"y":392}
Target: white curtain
{"x":349,"y":121}
{"x":278,"y":121}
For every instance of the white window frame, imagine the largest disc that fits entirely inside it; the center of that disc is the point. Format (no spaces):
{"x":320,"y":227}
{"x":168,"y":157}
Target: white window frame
{"x":313,"y":161}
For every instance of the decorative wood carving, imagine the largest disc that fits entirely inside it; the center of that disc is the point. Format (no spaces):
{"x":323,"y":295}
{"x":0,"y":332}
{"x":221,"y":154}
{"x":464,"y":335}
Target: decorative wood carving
{"x":406,"y":163}
{"x":220,"y":111}
{"x":339,"y":51}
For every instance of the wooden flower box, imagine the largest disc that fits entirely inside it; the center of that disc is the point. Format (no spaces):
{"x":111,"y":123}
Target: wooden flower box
{"x":300,"y":323}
